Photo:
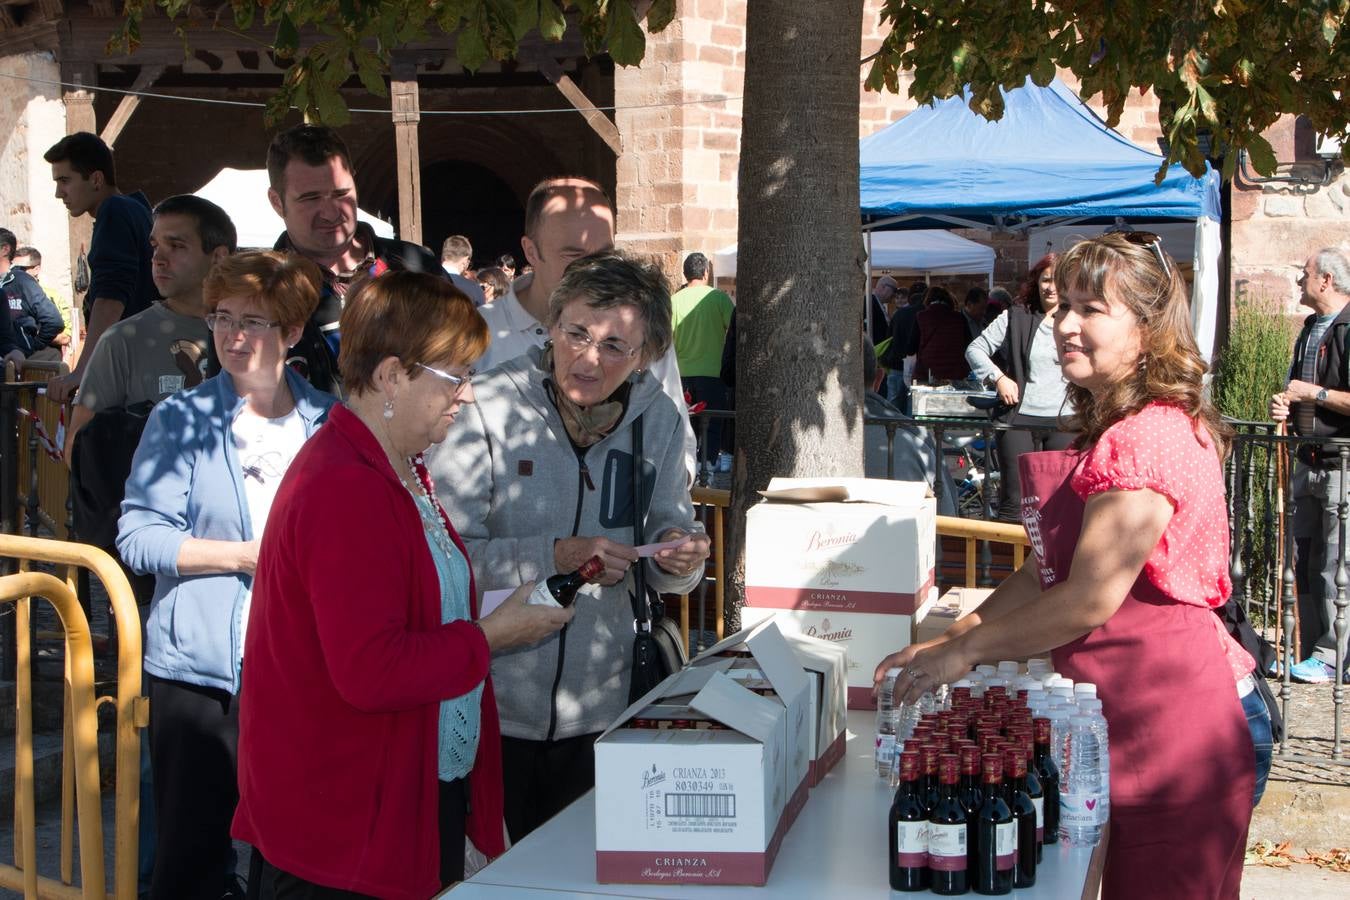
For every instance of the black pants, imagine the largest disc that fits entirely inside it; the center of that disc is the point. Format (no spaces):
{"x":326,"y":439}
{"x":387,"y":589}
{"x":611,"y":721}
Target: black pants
{"x":710,"y":390}
{"x":1012,"y":444}
{"x":194,"y":744}
{"x":267,"y":882}
{"x":541,"y":778}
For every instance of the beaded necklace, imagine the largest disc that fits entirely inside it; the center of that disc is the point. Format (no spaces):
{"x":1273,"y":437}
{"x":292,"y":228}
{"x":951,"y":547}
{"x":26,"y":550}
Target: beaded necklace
{"x":434,"y":519}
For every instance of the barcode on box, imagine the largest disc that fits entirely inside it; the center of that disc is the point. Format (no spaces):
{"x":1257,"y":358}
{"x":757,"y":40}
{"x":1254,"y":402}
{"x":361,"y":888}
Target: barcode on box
{"x":702,"y":806}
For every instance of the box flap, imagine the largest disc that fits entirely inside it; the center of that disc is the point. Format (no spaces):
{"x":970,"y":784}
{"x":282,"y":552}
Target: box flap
{"x":857,"y":490}
{"x":734,"y":706}
{"x":815,"y":654}
{"x":691,"y":679}
{"x":779,"y":663}
{"x":726,"y":643}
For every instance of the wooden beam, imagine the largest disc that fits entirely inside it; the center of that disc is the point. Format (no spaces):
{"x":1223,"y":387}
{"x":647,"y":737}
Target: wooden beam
{"x":127,"y":105}
{"x":407,"y":114}
{"x":52,"y":9}
{"x":599,"y":122}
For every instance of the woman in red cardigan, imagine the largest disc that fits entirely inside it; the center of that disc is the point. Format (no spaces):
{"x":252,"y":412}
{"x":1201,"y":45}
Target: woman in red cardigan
{"x":368,"y":739}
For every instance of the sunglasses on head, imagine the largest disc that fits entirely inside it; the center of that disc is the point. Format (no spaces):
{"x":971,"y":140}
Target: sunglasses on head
{"x":1153,"y":242}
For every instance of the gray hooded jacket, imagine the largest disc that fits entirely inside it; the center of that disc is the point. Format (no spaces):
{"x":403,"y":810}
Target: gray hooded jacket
{"x":512,"y":484}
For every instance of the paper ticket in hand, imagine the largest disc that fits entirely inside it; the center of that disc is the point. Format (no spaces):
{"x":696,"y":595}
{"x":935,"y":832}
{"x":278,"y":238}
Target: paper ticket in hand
{"x":652,"y":549}
{"x":492,"y":600}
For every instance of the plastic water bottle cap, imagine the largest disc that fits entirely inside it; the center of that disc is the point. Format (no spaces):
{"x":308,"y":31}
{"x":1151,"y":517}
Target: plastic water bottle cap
{"x":1008,"y":667}
{"x":1090,"y":705}
{"x":893,"y":672}
{"x":1085,"y":687}
{"x":963,"y":683}
{"x":986,"y":670}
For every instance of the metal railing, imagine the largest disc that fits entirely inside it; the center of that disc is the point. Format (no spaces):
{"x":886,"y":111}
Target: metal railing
{"x":1260,"y":495}
{"x":80,"y":782}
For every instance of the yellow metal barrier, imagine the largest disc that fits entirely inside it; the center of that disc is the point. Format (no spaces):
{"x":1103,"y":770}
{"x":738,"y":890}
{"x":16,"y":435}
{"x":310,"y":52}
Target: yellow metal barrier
{"x":43,"y":482}
{"x":80,"y":775}
{"x":971,"y":531}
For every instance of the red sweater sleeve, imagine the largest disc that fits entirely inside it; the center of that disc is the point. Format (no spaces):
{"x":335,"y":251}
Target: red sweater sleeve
{"x":362,"y":555}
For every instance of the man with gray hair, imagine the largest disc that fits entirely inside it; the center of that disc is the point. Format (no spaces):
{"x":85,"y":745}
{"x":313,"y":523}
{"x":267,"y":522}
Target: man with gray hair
{"x":1316,"y":403}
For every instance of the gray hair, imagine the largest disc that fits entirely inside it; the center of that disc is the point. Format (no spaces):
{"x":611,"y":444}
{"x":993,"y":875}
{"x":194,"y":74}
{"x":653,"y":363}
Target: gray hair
{"x":1332,"y":261}
{"x":614,"y":278}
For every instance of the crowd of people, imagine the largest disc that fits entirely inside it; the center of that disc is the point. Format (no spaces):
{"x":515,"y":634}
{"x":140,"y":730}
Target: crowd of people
{"x":314,"y":460}
{"x":339,"y":716}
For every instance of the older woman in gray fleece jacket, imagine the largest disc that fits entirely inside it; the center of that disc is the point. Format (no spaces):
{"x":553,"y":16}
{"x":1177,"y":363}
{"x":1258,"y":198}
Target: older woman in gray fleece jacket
{"x":538,"y":479}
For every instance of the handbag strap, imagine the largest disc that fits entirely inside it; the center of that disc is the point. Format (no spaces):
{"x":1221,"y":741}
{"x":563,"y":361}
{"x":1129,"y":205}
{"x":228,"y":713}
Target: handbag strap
{"x":641,"y":612}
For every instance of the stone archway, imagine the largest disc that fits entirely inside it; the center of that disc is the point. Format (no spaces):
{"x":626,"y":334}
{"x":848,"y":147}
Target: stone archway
{"x":465,"y":198}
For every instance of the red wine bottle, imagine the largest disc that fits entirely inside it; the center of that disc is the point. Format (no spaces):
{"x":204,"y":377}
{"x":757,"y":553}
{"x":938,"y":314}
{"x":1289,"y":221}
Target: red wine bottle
{"x":971,"y":795}
{"x":995,"y":833}
{"x":948,"y":850}
{"x":561,"y":589}
{"x":1048,"y":775}
{"x":1034,"y":789}
{"x":928,"y":781}
{"x":1024,"y":816}
{"x":908,"y":830}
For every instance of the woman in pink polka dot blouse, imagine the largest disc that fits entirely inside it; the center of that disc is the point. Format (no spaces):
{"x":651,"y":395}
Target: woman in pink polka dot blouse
{"x":1130,"y":538}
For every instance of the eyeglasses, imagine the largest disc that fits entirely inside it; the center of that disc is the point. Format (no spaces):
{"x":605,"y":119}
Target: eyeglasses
{"x":611,"y":349}
{"x":249,"y":325}
{"x":1153,"y":242}
{"x":458,"y":382}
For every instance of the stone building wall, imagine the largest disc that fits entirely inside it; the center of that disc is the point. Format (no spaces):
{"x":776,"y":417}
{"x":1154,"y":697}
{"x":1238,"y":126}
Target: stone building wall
{"x":32,"y":118}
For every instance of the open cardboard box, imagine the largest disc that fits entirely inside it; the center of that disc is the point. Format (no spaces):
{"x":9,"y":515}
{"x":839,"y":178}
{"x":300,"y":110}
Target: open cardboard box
{"x":701,"y":805}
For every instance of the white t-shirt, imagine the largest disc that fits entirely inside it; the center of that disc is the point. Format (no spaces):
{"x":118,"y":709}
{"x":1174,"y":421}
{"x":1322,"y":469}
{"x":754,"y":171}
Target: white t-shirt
{"x":265,"y":448}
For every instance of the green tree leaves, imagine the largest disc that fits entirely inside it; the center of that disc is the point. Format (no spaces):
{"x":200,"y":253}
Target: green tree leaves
{"x":1222,"y":70}
{"x":328,"y":41}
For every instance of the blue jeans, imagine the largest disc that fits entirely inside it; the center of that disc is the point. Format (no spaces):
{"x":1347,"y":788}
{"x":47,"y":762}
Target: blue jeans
{"x":1258,"y":721}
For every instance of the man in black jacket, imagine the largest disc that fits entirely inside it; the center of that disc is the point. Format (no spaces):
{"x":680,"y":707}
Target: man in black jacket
{"x":1316,"y":403}
{"x":35,"y":317}
{"x":313,"y":189}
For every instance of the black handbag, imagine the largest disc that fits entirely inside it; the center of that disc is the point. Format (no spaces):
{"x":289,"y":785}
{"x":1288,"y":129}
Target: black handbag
{"x":658,"y":649}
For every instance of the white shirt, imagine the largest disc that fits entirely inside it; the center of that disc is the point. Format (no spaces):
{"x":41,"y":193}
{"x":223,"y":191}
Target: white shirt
{"x":265,"y":448}
{"x":513,"y":331}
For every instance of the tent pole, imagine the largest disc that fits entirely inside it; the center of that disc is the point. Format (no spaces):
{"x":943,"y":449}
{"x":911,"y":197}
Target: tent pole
{"x":867,"y":293}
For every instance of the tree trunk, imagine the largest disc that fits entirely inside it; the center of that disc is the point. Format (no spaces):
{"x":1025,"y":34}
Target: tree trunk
{"x":800,"y":276}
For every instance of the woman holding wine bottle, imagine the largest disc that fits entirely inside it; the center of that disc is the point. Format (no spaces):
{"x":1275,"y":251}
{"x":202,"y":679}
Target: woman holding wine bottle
{"x":540,"y":478}
{"x":368,"y":740}
{"x":1131,"y":558}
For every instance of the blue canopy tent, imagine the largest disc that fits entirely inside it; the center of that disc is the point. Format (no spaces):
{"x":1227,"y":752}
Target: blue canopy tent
{"x":1050,"y":161}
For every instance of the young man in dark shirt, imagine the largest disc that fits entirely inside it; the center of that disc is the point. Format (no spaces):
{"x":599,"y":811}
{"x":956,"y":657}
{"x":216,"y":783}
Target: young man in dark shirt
{"x":119,"y":251}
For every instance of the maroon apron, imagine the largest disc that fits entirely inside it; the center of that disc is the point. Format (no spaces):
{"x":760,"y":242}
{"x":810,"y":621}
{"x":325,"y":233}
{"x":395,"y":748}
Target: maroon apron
{"x":1182,"y":763}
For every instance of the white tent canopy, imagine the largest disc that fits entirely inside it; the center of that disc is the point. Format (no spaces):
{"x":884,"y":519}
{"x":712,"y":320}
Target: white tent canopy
{"x":907,"y":253}
{"x":243,"y":194}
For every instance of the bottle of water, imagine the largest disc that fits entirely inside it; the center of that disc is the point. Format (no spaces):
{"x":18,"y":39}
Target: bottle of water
{"x":887,"y":722}
{"x":1081,"y":792}
{"x":1059,"y":733}
{"x":1092,"y":707}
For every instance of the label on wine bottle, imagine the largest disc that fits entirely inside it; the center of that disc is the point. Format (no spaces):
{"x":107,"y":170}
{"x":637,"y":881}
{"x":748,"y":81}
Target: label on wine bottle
{"x":541,"y":596}
{"x":1005,"y":846}
{"x":885,"y":754}
{"x":947,"y":847}
{"x":1081,"y":809}
{"x":911,"y":844}
{"x":1039,"y":803}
